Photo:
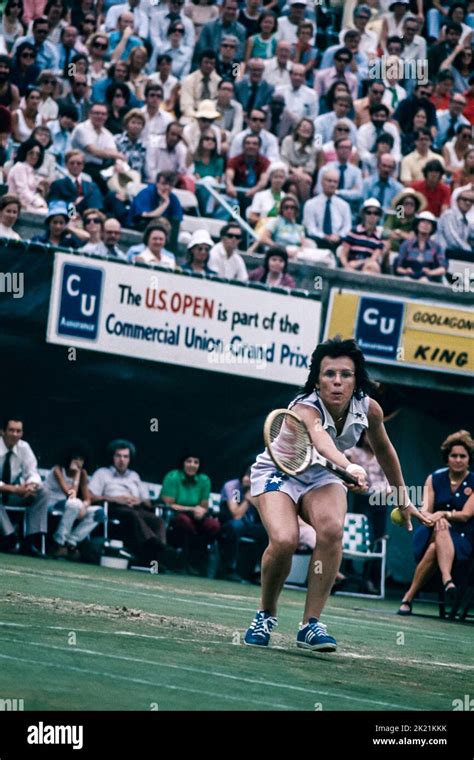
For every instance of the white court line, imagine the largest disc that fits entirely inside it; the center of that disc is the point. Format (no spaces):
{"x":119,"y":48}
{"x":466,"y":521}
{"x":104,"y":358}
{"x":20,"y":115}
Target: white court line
{"x":194,"y":601}
{"x":217,"y":674}
{"x":107,"y":633}
{"x":143,"y":682}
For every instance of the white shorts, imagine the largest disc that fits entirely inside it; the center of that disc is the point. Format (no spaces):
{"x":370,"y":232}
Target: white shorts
{"x":265,"y":478}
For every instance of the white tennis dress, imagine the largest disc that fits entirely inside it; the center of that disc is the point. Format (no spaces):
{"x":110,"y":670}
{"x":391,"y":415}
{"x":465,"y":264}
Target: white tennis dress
{"x":265,"y":477}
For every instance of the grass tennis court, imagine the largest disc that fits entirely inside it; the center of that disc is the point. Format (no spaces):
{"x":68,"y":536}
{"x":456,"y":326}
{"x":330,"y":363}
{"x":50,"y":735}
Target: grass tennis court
{"x":82,"y":637}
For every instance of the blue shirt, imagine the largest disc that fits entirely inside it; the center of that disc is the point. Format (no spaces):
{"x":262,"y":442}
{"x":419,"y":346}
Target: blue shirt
{"x":132,"y":42}
{"x":372,"y":188}
{"x":149,"y":200}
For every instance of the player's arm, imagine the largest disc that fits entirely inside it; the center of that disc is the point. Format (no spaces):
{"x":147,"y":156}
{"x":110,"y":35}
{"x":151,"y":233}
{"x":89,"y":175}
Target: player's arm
{"x":387,"y":457}
{"x":323,"y":442}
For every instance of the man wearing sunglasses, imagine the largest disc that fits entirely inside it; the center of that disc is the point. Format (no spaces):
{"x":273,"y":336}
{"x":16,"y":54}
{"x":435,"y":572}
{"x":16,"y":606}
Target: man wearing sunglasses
{"x":325,"y":77}
{"x":256,"y":128}
{"x":47,"y":56}
{"x":224,"y":259}
{"x":358,"y":65}
{"x":368,"y":133}
{"x":163,"y":16}
{"x":213,"y":32}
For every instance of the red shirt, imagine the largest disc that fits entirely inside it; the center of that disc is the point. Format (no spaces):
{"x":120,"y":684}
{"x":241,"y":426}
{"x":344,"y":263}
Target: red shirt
{"x":241,"y":169}
{"x":469,"y":110}
{"x":440,"y":102}
{"x":436,"y":198}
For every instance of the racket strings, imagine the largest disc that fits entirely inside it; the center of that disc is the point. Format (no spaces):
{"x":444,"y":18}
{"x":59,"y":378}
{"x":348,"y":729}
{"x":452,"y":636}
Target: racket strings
{"x":290,"y":443}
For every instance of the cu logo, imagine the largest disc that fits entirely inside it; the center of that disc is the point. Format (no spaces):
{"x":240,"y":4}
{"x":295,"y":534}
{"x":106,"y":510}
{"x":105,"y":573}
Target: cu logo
{"x":79,"y":307}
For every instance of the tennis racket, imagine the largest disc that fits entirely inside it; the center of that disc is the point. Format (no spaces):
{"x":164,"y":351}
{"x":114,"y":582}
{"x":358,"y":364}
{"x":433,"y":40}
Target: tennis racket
{"x":290,"y":446}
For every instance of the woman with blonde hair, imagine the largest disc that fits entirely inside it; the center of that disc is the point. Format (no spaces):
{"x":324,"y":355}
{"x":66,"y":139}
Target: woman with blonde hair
{"x":448,"y":500}
{"x":137,"y":60}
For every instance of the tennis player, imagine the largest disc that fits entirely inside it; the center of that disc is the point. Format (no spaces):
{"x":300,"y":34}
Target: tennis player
{"x":336,"y":407}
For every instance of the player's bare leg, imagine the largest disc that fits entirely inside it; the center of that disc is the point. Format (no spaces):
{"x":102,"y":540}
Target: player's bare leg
{"x":278,"y":514}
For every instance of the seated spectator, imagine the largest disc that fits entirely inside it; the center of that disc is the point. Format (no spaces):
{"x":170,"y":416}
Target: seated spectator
{"x":156,"y":118}
{"x":224,"y":259}
{"x":464,"y":175}
{"x":383,"y":144}
{"x":112,"y":234}
{"x":206,"y":164}
{"x":212,"y":32}
{"x":98,"y":45}
{"x":326,"y":217}
{"x":175,"y":47}
{"x":117,"y":98}
{"x":117,"y":72}
{"x":227,"y":66}
{"x":21,"y":486}
{"x":362,"y":249}
{"x":160,"y":21}
{"x":154,"y":252}
{"x":394,"y":92}
{"x":122,"y":41}
{"x":277,"y":69}
{"x":49,"y":167}
{"x":349,"y":186}
{"x":97,"y":144}
{"x":61,"y":132}
{"x":443,"y":90}
{"x":27,"y":117}
{"x":304,"y":52}
{"x":253,"y":91}
{"x":455,"y":231}
{"x":420,"y":121}
{"x":367,"y":133}
{"x":398,"y":225}
{"x":200,"y":85}
{"x":130,"y":143}
{"x":128,"y":501}
{"x":266,"y":203}
{"x":460,"y":64}
{"x":455,"y":149}
{"x":76,"y":187}
{"x":67,"y":488}
{"x":201,"y":14}
{"x":58,"y":232}
{"x":298,"y":152}
{"x":327,"y":152}
{"x":157,"y":200}
{"x":273,"y":272}
{"x":169,"y":84}
{"x":285,"y":232}
{"x":450,"y":119}
{"x":421,"y":258}
{"x":239,"y":518}
{"x":137,"y":62}
{"x":382,"y":186}
{"x":449,"y":502}
{"x":263,"y":44}
{"x":231,"y":115}
{"x":412,"y":165}
{"x":325,"y":77}
{"x":24,"y":180}
{"x":300,"y":100}
{"x":94,"y":221}
{"x":167,"y":153}
{"x":25,"y":69}
{"x":375,"y":94}
{"x":203,"y":121}
{"x":199,"y":248}
{"x":324,"y":125}
{"x":186,"y":491}
{"x":469,"y":95}
{"x":436,"y":192}
{"x":78,"y":96}
{"x":247,"y":173}
{"x":9,"y":94}
{"x":10,"y":208}
{"x":268,"y":142}
{"x":249,"y":16}
{"x":11,"y":26}
{"x":48,"y":86}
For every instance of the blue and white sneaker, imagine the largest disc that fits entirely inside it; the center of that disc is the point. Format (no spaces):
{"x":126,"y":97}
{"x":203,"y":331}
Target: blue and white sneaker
{"x":314,"y":636}
{"x":258,"y":635}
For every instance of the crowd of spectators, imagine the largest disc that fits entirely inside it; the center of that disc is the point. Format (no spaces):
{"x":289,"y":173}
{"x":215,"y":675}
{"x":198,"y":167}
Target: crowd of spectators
{"x":333,"y":130}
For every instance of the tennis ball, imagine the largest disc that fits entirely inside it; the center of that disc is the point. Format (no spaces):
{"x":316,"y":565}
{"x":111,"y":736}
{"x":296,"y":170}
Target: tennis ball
{"x":397,"y":517}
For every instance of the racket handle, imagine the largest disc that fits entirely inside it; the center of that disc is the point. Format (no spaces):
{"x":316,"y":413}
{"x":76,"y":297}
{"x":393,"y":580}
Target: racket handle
{"x":347,"y":477}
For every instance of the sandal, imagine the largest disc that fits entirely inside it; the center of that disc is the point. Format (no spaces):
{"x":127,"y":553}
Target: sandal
{"x":404,"y":603}
{"x":451,"y":592}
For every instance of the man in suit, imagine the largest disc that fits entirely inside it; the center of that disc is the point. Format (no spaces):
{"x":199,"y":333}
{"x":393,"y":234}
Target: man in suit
{"x":251,"y":91}
{"x":76,"y":187}
{"x":77,"y":97}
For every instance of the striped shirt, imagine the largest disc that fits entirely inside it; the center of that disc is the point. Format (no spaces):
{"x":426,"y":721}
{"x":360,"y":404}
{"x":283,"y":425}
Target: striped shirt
{"x":362,"y":244}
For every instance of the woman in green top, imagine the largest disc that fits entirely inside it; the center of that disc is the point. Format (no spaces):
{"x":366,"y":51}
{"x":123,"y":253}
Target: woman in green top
{"x":207,"y":163}
{"x":186,"y":491}
{"x":263,"y":44}
{"x":398,"y":225}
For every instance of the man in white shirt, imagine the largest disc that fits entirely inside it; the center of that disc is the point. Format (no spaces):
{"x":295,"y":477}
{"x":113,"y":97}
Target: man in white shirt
{"x":324,"y":124}
{"x":200,"y":85}
{"x":288,"y":25}
{"x":224,"y":259}
{"x":166,"y":153}
{"x":20,"y":485}
{"x":277,"y":69}
{"x":414,"y":44}
{"x":300,"y":100}
{"x":269,"y":147}
{"x":368,"y":39}
{"x":368,"y":133}
{"x":156,"y":120}
{"x":327,"y":218}
{"x":97,"y":144}
{"x":164,"y":16}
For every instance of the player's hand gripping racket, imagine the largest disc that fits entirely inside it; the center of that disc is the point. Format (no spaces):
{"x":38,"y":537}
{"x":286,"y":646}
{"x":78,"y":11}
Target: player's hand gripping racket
{"x":290,"y":446}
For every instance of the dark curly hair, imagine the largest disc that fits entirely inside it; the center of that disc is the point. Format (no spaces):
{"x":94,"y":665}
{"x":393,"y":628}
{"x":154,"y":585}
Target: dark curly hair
{"x":334,"y":348}
{"x":121,"y":443}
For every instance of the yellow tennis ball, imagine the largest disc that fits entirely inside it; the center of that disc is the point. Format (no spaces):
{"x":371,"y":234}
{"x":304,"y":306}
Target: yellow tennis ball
{"x":397,"y":517}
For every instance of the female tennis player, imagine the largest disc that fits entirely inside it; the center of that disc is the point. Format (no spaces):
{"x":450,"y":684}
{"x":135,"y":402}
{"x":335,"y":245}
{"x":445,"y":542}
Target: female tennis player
{"x":336,"y":408}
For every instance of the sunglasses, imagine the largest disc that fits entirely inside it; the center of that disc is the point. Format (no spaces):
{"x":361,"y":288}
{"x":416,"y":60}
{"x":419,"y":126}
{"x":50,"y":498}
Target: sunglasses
{"x":343,"y":60}
{"x":235,"y":235}
{"x":257,"y":118}
{"x":467,"y":200}
{"x":288,"y":206}
{"x":227,"y":45}
{"x":343,"y":129}
{"x":94,"y":219}
{"x":27,"y":55}
{"x":153,"y":95}
{"x":48,"y":81}
{"x":172,"y":31}
{"x":371,"y":213}
{"x":100,"y":45}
